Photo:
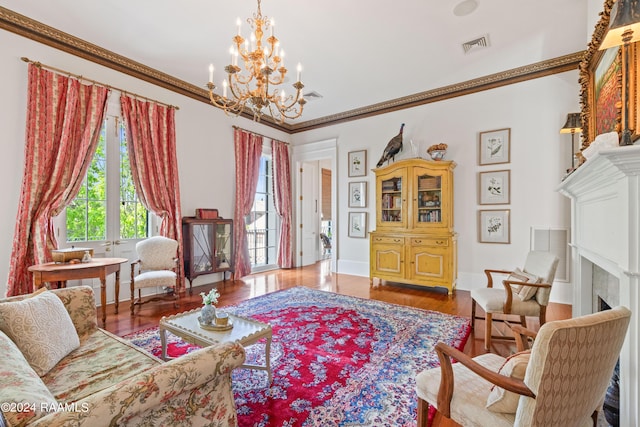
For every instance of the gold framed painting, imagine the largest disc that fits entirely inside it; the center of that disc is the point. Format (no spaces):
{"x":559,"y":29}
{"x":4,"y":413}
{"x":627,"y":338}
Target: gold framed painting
{"x":602,"y":77}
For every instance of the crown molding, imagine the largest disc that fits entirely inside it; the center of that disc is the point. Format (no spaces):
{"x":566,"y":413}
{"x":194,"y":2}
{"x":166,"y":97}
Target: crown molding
{"x":35,"y":30}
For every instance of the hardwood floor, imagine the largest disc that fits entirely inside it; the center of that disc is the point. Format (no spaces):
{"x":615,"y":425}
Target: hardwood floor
{"x":319,"y":276}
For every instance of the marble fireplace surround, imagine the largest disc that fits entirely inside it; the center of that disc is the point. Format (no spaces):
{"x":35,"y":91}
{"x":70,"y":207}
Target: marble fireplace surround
{"x":605,"y":251}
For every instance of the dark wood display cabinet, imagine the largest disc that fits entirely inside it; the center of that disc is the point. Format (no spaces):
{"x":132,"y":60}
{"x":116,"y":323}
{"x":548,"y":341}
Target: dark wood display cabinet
{"x":208,"y":247}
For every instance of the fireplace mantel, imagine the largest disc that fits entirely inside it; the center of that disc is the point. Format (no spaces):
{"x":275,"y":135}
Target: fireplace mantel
{"x":605,"y":231}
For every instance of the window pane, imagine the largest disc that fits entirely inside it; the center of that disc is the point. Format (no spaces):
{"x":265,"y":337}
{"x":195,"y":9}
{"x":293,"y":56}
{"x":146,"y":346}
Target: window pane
{"x":134,"y":218}
{"x":87,"y":213}
{"x":262,"y":222}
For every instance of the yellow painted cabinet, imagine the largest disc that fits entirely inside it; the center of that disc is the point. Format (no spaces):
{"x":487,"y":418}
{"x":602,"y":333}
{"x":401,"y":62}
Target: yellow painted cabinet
{"x":414,"y":241}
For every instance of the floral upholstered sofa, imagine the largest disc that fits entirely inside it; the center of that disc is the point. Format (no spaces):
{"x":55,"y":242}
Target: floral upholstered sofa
{"x":103,"y":380}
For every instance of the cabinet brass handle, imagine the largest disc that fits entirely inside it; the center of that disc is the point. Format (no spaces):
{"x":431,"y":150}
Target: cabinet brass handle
{"x":439,"y":242}
{"x":418,"y":241}
{"x":397,"y":240}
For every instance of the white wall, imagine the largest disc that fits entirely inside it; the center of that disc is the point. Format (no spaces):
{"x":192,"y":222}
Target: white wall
{"x":534,"y":110}
{"x":204,"y":136}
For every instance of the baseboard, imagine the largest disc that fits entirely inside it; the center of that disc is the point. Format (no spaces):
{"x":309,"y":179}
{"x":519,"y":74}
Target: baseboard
{"x":355,"y":268}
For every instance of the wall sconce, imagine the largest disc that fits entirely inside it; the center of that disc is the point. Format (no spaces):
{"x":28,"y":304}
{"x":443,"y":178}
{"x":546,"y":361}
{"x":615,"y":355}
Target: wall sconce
{"x":572,"y":126}
{"x":623,"y":30}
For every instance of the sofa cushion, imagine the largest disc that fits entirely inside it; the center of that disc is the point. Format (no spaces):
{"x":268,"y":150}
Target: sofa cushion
{"x":501,"y":400}
{"x":102,"y":360}
{"x":20,"y":386}
{"x":41,"y":328}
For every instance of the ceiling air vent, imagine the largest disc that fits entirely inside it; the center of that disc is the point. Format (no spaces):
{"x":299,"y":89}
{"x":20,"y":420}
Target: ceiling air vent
{"x":476,"y":44}
{"x":312,"y":95}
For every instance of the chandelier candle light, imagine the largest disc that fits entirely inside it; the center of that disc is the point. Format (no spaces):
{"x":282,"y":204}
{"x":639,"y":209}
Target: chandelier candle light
{"x":263,"y":67}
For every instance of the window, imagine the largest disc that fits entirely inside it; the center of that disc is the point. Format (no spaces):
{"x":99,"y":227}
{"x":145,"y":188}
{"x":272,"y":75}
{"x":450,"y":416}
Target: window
{"x":263,"y":221}
{"x":107,"y":188}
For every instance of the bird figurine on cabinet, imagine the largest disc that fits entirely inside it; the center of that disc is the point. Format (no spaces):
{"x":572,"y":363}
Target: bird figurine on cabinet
{"x":393,"y":147}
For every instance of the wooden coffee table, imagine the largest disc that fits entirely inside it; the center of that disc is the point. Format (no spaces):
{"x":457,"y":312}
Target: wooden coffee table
{"x":245,"y":331}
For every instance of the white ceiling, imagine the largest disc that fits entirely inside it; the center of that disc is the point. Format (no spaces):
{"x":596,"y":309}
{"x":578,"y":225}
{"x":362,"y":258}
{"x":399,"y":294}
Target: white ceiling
{"x":354,"y":52}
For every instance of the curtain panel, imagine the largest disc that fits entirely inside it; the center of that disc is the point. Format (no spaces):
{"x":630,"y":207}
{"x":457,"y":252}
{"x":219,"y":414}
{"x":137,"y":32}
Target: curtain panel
{"x":248,"y":149}
{"x":282,"y":196}
{"x":64,"y":119}
{"x":151,"y":142}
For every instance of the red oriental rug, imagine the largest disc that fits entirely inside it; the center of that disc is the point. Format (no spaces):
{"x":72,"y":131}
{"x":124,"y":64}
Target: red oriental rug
{"x":337,"y":360}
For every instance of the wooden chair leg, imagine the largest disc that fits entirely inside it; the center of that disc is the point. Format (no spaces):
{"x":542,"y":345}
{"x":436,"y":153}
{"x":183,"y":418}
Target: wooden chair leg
{"x":488,"y":323}
{"x":423,"y":413}
{"x":133,"y":297}
{"x":473,"y":314}
{"x":523,"y":321}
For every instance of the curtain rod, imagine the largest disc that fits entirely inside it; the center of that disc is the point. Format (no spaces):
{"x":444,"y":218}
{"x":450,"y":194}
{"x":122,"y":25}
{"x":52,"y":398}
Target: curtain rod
{"x":79,"y":77}
{"x":259,"y":134}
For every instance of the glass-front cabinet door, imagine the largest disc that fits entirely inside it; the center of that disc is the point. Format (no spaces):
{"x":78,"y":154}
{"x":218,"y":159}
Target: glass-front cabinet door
{"x":224,"y":240}
{"x":391,"y":200}
{"x":201,"y":249}
{"x":430,"y":207}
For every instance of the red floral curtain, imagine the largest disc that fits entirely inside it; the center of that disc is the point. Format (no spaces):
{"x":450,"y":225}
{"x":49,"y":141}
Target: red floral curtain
{"x":282,"y":193}
{"x":64,"y":118}
{"x":151,"y":142}
{"x":248,"y":149}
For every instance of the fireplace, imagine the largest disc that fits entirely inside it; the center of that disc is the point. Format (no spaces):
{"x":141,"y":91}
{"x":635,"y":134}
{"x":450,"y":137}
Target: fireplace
{"x":605,"y":252}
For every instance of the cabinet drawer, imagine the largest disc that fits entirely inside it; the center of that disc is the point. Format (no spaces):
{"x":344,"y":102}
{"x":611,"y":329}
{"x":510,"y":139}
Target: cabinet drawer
{"x":429,"y":241}
{"x":388,"y":240}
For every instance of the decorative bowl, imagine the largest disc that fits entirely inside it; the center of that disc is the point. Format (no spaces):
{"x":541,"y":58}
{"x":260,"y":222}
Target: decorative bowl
{"x":437,"y":154}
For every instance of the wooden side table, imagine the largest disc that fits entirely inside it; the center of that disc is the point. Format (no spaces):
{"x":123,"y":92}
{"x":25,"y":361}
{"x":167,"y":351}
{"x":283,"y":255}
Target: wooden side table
{"x":96,"y":268}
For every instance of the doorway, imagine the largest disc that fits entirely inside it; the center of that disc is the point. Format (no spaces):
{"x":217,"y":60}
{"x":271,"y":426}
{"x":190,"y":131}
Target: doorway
{"x":309,"y":161}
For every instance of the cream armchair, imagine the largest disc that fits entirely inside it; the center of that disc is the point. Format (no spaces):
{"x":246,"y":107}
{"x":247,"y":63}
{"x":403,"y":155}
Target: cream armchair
{"x":156,"y":266}
{"x":564,"y":381}
{"x":524,"y":293}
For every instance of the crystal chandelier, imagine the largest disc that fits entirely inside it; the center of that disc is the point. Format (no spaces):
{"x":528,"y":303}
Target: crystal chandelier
{"x":256,"y":87}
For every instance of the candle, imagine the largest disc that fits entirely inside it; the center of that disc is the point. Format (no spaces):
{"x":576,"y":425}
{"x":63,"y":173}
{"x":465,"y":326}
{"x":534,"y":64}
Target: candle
{"x":231,"y":53}
{"x":271,"y":25}
{"x":282,"y":96}
{"x":299,"y":71}
{"x":238,"y":23}
{"x":224,"y":88}
{"x":210,"y":73}
{"x":282,"y":57}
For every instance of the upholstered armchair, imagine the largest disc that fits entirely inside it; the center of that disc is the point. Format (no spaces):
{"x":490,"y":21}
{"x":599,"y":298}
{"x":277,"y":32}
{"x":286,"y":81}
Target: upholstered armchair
{"x":524,"y":293}
{"x":156,"y":266}
{"x":561,"y":381}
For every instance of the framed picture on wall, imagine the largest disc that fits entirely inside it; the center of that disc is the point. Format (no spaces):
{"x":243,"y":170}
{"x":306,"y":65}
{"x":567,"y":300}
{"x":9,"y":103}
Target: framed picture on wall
{"x":494,"y":226}
{"x":495,"y":147}
{"x":602,"y":81}
{"x":358,"y":163}
{"x":358,"y":224}
{"x":358,"y":194}
{"x":494,"y":187}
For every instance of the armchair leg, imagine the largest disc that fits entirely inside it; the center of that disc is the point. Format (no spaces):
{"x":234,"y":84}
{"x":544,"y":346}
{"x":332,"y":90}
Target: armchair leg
{"x":523,"y":321}
{"x":488,"y":323}
{"x":473,"y":314}
{"x":423,"y":413}
{"x":133,"y":297}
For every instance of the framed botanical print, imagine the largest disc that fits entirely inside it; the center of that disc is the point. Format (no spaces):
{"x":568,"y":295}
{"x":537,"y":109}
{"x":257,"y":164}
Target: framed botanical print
{"x":358,"y":163}
{"x":358,"y":194}
{"x":358,"y":224}
{"x":494,"y":187}
{"x":494,"y":226}
{"x":495,"y":147}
